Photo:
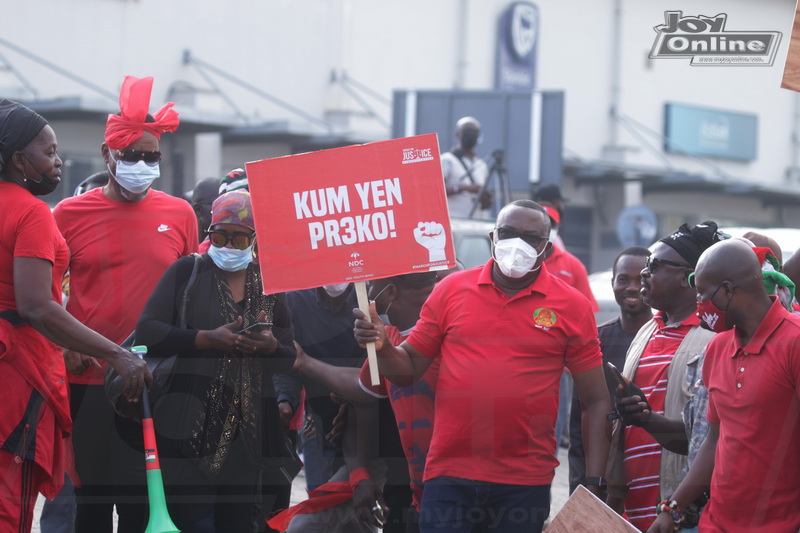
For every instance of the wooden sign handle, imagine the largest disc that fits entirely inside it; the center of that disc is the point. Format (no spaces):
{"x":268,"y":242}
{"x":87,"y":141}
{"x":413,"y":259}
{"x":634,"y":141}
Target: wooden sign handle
{"x":372,"y":356}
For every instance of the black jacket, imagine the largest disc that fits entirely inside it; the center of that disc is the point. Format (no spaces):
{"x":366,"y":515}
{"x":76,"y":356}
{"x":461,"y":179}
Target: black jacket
{"x":176,"y":413}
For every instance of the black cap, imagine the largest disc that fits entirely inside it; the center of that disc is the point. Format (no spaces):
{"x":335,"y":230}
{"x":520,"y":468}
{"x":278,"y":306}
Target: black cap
{"x":690,"y":243}
{"x":205,"y":191}
{"x":548,"y":193}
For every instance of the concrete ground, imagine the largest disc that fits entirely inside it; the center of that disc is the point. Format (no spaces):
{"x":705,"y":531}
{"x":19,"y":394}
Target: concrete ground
{"x":559,"y":494}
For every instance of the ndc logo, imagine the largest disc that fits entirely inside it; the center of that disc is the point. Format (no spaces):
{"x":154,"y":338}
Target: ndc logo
{"x":355,"y":263}
{"x":705,"y":41}
{"x":417,"y":155}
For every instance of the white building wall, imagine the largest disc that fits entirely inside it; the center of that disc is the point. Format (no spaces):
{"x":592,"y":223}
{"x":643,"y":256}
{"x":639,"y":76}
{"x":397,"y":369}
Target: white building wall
{"x":290,"y":48}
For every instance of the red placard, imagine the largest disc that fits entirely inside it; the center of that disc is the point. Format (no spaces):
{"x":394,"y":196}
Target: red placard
{"x":351,"y":214}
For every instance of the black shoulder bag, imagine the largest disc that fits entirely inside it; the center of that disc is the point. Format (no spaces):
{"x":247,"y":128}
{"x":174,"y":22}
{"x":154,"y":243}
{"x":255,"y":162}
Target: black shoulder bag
{"x":161,"y":367}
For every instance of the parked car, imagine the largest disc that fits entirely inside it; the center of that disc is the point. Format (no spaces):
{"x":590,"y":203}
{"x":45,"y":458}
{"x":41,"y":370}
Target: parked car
{"x":471,"y":239}
{"x":600,"y":282}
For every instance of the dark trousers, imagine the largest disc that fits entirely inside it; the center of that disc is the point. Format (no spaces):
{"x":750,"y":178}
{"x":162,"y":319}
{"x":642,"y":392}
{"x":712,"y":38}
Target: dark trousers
{"x":412,"y":520}
{"x":452,"y":505}
{"x":109,"y":458}
{"x":237,"y":500}
{"x":398,"y":499}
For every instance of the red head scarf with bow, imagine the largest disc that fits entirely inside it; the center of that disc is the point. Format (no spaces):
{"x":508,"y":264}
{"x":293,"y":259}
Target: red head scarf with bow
{"x":134,"y":101}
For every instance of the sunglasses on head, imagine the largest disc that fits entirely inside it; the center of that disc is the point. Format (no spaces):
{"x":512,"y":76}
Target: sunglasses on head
{"x":240,"y":241}
{"x":653,"y":263}
{"x":134,"y":156}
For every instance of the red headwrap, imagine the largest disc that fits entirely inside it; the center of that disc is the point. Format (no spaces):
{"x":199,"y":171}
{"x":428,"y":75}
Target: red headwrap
{"x":134,"y":101}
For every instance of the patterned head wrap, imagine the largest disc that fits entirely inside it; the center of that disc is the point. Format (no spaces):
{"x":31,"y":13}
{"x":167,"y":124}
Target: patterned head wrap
{"x":234,"y":180}
{"x":233,"y":208}
{"x":775,"y":281}
{"x":691,"y":242}
{"x":18,"y":127}
{"x":134,"y":101}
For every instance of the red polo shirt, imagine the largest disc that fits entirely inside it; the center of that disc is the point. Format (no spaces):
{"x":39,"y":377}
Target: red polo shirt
{"x":501,"y":362}
{"x":754,"y":396}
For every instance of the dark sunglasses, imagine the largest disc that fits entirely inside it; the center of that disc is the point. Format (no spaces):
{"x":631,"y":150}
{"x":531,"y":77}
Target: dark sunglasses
{"x":653,"y":263}
{"x":504,"y":233}
{"x":240,"y":241}
{"x":134,"y":156}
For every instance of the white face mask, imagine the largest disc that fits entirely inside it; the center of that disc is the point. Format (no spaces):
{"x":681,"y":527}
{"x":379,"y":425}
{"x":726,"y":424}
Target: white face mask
{"x":516,"y":257}
{"x":336,"y":290}
{"x":135,"y":177}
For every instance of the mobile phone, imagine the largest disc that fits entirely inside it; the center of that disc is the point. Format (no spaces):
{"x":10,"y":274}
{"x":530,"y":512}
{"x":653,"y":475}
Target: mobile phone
{"x":258,"y":327}
{"x":615,"y":378}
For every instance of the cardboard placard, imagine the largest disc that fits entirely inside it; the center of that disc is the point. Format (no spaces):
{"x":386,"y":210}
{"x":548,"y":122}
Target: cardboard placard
{"x":791,"y":70}
{"x":351,"y":214}
{"x":585,"y":513}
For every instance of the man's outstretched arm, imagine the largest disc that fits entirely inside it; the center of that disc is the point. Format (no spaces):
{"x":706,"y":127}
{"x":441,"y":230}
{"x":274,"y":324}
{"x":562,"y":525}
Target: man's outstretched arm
{"x":339,"y":379}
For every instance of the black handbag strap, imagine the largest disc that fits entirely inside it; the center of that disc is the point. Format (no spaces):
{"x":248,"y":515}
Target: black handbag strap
{"x":463,"y":164}
{"x":189,"y":288}
{"x":130,"y":340}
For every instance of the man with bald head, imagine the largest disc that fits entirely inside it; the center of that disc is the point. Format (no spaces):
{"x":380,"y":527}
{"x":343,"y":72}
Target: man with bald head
{"x":464,"y":172}
{"x":663,"y":361}
{"x":502,"y":334}
{"x":750,"y":457}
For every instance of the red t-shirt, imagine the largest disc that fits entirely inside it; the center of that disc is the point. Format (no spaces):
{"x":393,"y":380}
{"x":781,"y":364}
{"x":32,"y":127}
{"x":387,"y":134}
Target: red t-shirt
{"x":642,"y":453}
{"x":754,"y":396}
{"x":570,"y":270}
{"x":27,"y":230}
{"x":413,"y":410}
{"x":501,"y":364}
{"x":119,"y":252}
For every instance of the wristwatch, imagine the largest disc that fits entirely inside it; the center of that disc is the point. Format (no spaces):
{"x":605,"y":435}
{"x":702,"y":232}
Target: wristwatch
{"x":597,"y":481}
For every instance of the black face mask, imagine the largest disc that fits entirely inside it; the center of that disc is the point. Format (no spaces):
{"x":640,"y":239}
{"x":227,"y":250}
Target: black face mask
{"x":44,"y":186}
{"x":469,"y":139}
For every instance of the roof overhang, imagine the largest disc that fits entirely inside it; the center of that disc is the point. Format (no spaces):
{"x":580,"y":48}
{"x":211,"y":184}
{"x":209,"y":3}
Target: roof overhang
{"x":662,"y":180}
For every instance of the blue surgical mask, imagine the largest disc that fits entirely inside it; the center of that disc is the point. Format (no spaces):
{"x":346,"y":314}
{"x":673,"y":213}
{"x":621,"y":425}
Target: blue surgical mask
{"x":135,"y":177}
{"x":385,"y":315}
{"x":231,"y":259}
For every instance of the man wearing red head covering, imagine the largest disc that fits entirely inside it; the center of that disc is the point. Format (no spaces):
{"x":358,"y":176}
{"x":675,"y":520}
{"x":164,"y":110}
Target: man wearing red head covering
{"x":122,"y":237}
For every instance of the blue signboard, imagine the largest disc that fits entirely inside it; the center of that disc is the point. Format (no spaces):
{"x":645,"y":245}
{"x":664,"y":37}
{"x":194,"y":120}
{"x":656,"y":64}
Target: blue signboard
{"x":710,"y":132}
{"x":517,"y":41}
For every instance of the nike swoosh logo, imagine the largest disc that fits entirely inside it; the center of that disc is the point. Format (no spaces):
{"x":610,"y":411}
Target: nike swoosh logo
{"x":164,"y":227}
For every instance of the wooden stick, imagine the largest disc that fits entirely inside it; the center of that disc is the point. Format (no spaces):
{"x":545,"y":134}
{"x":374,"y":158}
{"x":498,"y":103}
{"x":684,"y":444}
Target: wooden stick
{"x":372,"y":356}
